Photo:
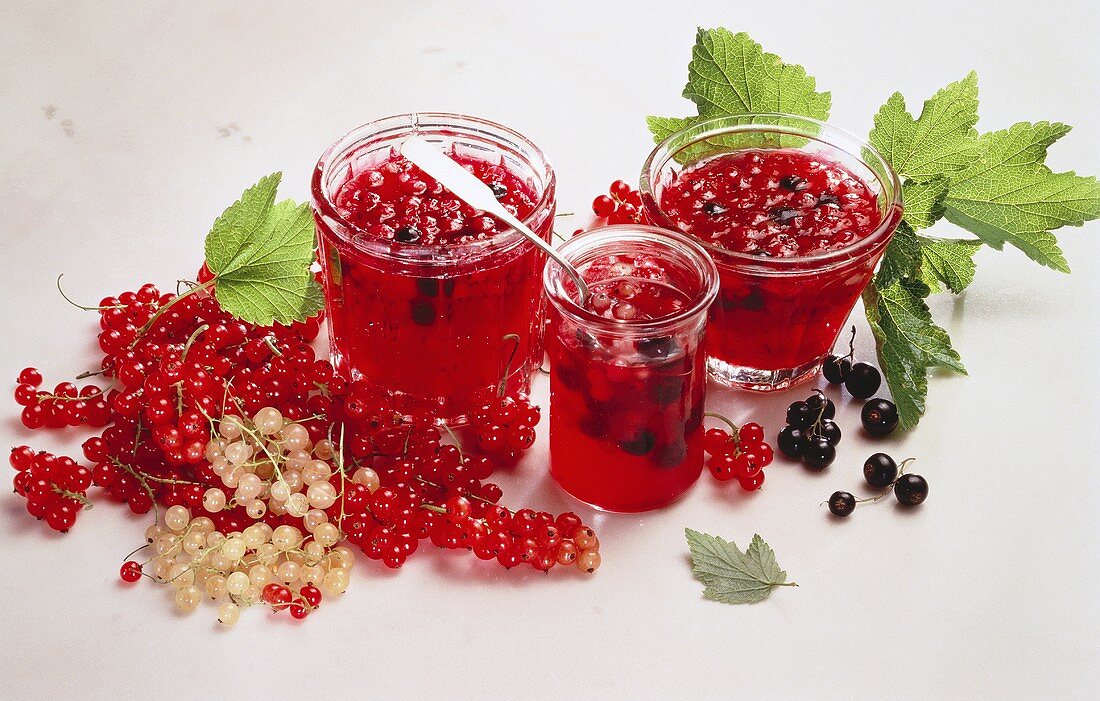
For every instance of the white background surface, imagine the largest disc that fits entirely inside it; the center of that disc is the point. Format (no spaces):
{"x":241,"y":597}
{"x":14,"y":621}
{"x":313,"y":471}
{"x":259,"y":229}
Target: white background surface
{"x":127,"y":127}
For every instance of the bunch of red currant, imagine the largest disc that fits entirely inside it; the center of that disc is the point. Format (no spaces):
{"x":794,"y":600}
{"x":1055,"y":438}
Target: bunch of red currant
{"x":622,"y":205}
{"x":55,"y":487}
{"x":261,"y":461}
{"x":67,"y":405}
{"x":505,"y":427}
{"x":740,"y":453}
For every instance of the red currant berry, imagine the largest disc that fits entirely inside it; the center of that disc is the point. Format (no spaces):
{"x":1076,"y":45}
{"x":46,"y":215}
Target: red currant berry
{"x":751,"y":434}
{"x":130,"y":571}
{"x":30,"y":376}
{"x":603,"y":206}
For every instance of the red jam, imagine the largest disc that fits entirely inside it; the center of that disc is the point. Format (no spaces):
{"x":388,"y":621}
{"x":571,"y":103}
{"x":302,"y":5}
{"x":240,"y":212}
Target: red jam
{"x":626,"y":408}
{"x":396,"y":201}
{"x":776,"y":204}
{"x":780,"y":203}
{"x":422,"y":303}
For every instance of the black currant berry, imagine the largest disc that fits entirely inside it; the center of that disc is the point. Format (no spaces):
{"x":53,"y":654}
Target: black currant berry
{"x":791,"y":441}
{"x":499,"y":190}
{"x":829,"y":431}
{"x":842,"y":504}
{"x":836,"y":369}
{"x":407,"y":234}
{"x":863,"y":380}
{"x":792,"y":183}
{"x":800,"y":415}
{"x":879,"y":417}
{"x":660,"y":347}
{"x":816,"y":401}
{"x":640,"y":444}
{"x":423,"y":313}
{"x":713,"y":209}
{"x":880,"y":470}
{"x":819,"y":453}
{"x":427,"y":286}
{"x":911,"y":490}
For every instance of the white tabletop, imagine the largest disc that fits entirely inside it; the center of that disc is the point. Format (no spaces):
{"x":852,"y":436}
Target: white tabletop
{"x":129,"y":126}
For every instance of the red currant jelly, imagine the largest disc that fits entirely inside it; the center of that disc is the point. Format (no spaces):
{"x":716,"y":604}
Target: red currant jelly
{"x":431,"y":301}
{"x":796,"y":215}
{"x":627,"y":367}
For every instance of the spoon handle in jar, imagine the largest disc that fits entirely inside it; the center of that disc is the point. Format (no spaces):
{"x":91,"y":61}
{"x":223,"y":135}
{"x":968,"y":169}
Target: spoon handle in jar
{"x":464,"y":185}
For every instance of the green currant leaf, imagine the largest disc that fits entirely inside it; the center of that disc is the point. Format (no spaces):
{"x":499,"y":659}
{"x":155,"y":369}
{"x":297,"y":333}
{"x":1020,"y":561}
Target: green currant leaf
{"x":947,"y":261}
{"x":731,"y":75}
{"x":909,"y":343}
{"x":941,"y":140}
{"x":901,"y":260}
{"x":731,"y":576}
{"x":260,"y":253}
{"x":924,"y":202}
{"x":1008,"y":194}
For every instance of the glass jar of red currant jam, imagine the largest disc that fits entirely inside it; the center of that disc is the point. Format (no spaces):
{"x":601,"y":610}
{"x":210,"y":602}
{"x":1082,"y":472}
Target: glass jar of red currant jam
{"x":796,"y":215}
{"x":429,"y":300}
{"x":627,"y":367}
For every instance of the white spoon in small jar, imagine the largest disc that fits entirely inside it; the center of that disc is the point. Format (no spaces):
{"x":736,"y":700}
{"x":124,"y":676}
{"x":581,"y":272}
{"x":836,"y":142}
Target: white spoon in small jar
{"x":464,"y":185}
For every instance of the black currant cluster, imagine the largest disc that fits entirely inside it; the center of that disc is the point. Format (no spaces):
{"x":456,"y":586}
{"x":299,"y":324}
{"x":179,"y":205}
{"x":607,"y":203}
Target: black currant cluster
{"x":862,"y":380}
{"x":881,"y":472}
{"x":811,"y":435}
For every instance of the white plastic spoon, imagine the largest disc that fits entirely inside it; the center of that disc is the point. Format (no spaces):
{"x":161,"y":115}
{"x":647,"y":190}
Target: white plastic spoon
{"x":464,"y":185}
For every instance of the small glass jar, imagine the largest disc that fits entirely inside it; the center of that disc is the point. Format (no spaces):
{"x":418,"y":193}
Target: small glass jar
{"x":776,"y":318}
{"x":437,"y":327}
{"x":626,"y":396}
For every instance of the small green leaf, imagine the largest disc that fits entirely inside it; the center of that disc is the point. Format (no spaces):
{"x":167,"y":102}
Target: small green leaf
{"x":260,"y":253}
{"x":664,"y":127}
{"x":731,"y":576}
{"x":730,"y":74}
{"x":948,"y":261}
{"x":901,"y":260}
{"x":942,"y":140}
{"x":924,"y":202}
{"x":909,"y":343}
{"x":1008,"y":195}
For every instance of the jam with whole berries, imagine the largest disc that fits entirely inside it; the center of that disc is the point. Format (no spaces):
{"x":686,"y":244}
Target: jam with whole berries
{"x":627,"y":368}
{"x":431,"y":301}
{"x":795,"y":233}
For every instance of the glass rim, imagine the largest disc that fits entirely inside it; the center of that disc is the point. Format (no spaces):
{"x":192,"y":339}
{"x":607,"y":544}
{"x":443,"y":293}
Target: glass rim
{"x":323,"y":202}
{"x":589,"y":241}
{"x":786,"y":125}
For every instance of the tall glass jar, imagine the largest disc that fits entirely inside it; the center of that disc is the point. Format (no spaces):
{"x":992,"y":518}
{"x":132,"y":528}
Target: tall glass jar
{"x":438,"y":327}
{"x":776,"y":318}
{"x":627,"y":369}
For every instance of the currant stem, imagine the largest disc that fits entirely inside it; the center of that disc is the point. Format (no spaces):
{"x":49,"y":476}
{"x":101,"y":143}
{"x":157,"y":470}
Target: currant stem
{"x":508,"y":366}
{"x":191,"y":339}
{"x":73,"y":495}
{"x":734,"y":428}
{"x":172,"y":302}
{"x":81,"y":306}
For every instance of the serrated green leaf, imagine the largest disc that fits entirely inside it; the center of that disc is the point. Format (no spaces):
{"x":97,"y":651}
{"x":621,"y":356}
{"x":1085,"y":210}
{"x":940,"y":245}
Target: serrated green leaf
{"x":238,"y":227}
{"x":924,"y":202}
{"x":901,"y":259}
{"x":909,"y":343}
{"x":664,"y":127}
{"x":948,"y":261}
{"x":730,"y":74}
{"x":941,"y":140}
{"x":260,"y":253}
{"x":731,"y":576}
{"x":1008,"y":195}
